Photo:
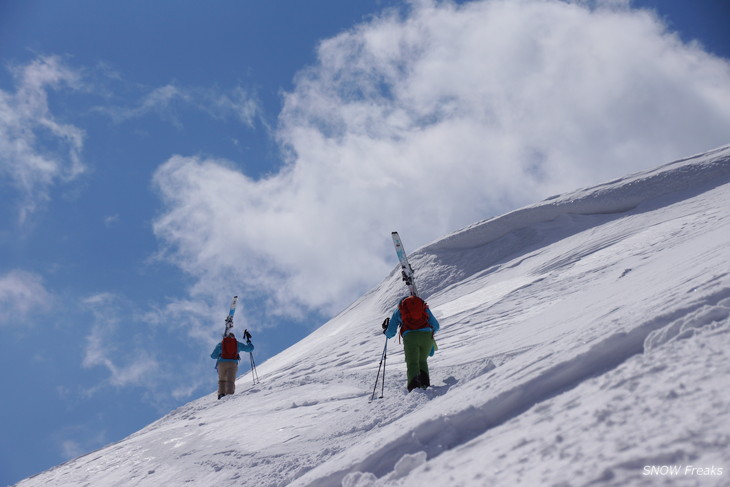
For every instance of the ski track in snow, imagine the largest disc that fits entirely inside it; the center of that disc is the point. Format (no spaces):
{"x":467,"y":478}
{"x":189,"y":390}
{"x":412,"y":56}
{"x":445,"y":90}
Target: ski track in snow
{"x":583,"y":338}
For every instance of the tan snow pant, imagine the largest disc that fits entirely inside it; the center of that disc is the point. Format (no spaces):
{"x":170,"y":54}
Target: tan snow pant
{"x":227,"y":377}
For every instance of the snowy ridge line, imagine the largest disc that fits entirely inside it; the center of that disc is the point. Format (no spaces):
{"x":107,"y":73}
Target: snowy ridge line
{"x":446,"y":432}
{"x":695,"y":175}
{"x":494,"y":241}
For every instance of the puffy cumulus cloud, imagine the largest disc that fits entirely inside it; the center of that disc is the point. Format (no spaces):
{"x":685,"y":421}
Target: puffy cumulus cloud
{"x":225,"y":229}
{"x":36,"y":150}
{"x":429,"y":120}
{"x":22,"y":295}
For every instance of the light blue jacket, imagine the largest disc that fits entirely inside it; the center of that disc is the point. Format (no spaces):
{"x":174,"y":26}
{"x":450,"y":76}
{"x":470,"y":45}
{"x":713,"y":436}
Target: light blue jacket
{"x":395,"y":322}
{"x":242,"y":347}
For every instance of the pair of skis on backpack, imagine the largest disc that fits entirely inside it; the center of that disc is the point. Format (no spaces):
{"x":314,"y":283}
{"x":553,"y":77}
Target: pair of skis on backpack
{"x":413,"y":314}
{"x":412,"y":308}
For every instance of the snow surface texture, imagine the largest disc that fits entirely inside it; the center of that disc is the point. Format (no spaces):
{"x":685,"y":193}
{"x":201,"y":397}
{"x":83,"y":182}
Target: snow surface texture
{"x":585,"y":340}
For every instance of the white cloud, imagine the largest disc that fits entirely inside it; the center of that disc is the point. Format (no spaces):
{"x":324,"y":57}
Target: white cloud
{"x":36,"y":150}
{"x":432,"y":120}
{"x":22,"y":296}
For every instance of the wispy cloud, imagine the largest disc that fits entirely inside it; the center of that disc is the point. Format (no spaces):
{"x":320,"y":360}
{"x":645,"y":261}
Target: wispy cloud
{"x":71,"y":449}
{"x":111,"y":220}
{"x":22,"y":297}
{"x":134,"y":367}
{"x":433,"y":119}
{"x":169,"y":101}
{"x":36,"y":150}
{"x":138,"y":368}
{"x":156,"y":351}
{"x":159,"y":101}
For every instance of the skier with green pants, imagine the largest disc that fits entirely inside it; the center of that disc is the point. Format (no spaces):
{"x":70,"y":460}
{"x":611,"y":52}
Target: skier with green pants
{"x":417,"y":327}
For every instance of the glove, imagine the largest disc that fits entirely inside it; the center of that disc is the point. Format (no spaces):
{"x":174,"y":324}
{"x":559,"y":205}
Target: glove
{"x":385,"y":325}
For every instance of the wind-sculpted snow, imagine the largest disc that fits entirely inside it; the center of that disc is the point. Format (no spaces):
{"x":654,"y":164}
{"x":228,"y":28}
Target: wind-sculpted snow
{"x":585,"y":341}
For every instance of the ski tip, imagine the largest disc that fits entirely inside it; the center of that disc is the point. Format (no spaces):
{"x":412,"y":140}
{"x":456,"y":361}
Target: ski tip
{"x":394,"y":233}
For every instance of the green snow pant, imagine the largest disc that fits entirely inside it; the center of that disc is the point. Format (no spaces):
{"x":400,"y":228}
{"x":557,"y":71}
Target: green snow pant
{"x":417,"y":346}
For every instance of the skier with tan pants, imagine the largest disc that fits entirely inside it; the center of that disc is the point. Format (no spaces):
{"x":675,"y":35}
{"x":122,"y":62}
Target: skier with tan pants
{"x":227,"y":355}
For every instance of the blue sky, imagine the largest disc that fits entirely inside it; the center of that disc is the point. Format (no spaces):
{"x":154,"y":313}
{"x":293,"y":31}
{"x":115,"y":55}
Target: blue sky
{"x":158,"y":157}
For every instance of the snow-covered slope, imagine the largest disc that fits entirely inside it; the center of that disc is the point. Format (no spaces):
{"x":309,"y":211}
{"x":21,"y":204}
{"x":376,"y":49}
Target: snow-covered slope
{"x":585,"y":341}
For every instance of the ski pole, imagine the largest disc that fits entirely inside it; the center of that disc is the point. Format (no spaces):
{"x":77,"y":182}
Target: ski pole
{"x":385,"y":324}
{"x":375,"y":387}
{"x":385,"y":359}
{"x":254,"y":373}
{"x":382,"y":362}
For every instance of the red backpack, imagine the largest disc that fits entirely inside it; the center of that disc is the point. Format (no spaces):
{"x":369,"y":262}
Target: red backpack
{"x":229,"y":348}
{"x":413,"y":314}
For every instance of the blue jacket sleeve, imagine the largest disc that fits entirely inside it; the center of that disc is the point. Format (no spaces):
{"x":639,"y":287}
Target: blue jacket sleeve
{"x":216,"y":352}
{"x":433,"y":321}
{"x":245,"y":347}
{"x":393,"y":325}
